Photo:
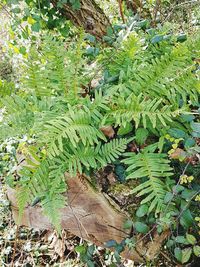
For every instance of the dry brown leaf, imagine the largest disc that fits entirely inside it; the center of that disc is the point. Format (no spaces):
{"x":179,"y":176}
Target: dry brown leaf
{"x":178,"y":153}
{"x":108,"y":131}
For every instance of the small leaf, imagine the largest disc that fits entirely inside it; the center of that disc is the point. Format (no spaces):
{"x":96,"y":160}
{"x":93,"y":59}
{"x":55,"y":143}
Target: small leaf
{"x":80,"y":249}
{"x":168,"y":197}
{"x":141,"y":135}
{"x":178,"y":254}
{"x":170,"y":243}
{"x":190,"y":142}
{"x":36,"y":27}
{"x":157,"y":39}
{"x":181,"y":239}
{"x":143,"y":209}
{"x":196,"y":129}
{"x":186,"y":253}
{"x":177,"y":133}
{"x":191,"y":239}
{"x":141,"y":227}
{"x":186,"y":219}
{"x":125,"y":130}
{"x":182,"y":38}
{"x":16,"y":10}
{"x":30,"y":20}
{"x":90,"y":263}
{"x":196,"y":250}
{"x":128,"y":224}
{"x":110,"y":244}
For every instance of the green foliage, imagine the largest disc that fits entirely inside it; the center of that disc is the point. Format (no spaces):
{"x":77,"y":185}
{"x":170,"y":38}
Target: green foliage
{"x":148,"y":91}
{"x":155,"y":167}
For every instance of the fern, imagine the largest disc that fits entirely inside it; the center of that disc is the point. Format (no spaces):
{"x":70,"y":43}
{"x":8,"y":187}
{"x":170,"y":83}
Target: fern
{"x":73,"y":126}
{"x":75,"y":160}
{"x":142,"y":111}
{"x":169,"y":74}
{"x":148,"y":90}
{"x":155,"y":167}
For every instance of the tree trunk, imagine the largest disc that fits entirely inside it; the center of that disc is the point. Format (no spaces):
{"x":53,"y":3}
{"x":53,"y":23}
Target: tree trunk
{"x":90,"y":16}
{"x":92,"y":217}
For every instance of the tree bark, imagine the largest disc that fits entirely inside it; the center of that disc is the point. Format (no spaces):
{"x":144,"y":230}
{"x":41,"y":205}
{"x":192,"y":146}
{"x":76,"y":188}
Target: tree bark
{"x":133,"y":5}
{"x":90,"y":16}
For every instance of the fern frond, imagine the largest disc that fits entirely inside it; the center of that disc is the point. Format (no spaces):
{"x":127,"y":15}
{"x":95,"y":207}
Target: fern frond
{"x":23,"y":197}
{"x":141,"y":110}
{"x":75,"y":159}
{"x":109,"y":152}
{"x":51,"y":206}
{"x":153,"y":166}
{"x":98,"y":106}
{"x":42,"y":183}
{"x":160,"y":76}
{"x":74,"y":127}
{"x":6,"y":88}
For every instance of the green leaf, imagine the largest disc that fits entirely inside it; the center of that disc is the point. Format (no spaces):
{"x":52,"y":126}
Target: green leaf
{"x":157,"y":39}
{"x":75,"y":4}
{"x":109,"y":31}
{"x":191,"y":239}
{"x":178,"y":188}
{"x":168,"y":197}
{"x":187,"y":194}
{"x":182,"y":38}
{"x":186,"y":253}
{"x":170,"y":243}
{"x":186,"y":219}
{"x":141,"y":135}
{"x":141,"y":227}
{"x":196,"y":129}
{"x":196,"y":250}
{"x":177,"y":133}
{"x":178,"y":254}
{"x":80,"y":249}
{"x":110,"y":244}
{"x":143,"y":209}
{"x":90,"y":263}
{"x":189,"y":142}
{"x":128,"y":224}
{"x":181,"y":239}
{"x":22,"y":50}
{"x":187,"y":117}
{"x":35,"y":27}
{"x":125,"y":130}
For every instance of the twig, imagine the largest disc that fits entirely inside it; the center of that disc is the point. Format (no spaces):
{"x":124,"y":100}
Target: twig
{"x":121,"y":11}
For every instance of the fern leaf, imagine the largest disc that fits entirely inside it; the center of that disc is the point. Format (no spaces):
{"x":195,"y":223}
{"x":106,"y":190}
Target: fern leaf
{"x":142,"y":111}
{"x":73,"y":127}
{"x":153,"y":166}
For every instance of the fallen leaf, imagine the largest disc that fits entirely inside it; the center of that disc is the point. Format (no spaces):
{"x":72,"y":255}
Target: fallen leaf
{"x":108,"y":131}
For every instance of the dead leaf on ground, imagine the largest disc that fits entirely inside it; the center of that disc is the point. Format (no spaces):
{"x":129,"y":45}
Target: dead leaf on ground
{"x":108,"y":131}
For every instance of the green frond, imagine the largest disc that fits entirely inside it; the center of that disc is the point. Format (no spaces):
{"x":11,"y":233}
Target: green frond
{"x":43,"y":184}
{"x":51,"y":206}
{"x":74,"y":127}
{"x":109,"y":152}
{"x":142,"y":111}
{"x":98,"y":106}
{"x":17,"y":118}
{"x":23,"y":197}
{"x":75,"y":159}
{"x":154,"y":167}
{"x":6,"y":88}
{"x":55,"y":70}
